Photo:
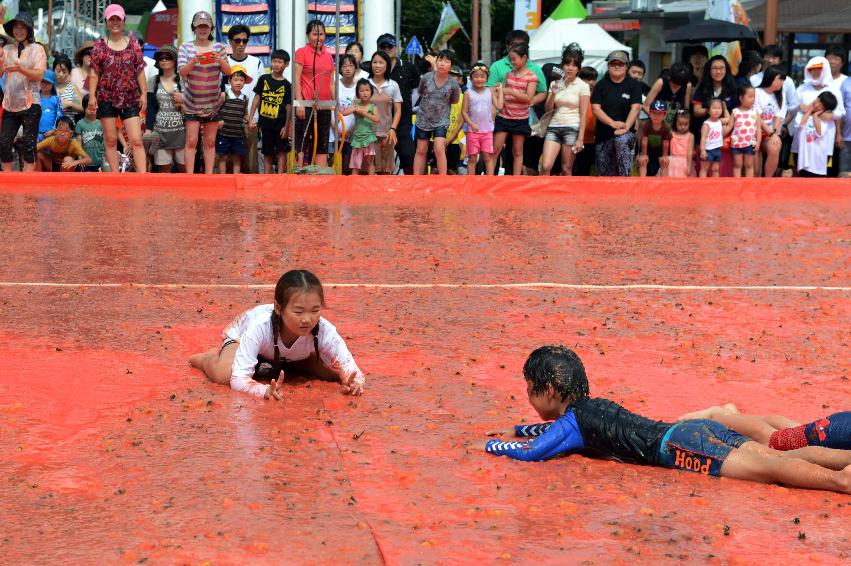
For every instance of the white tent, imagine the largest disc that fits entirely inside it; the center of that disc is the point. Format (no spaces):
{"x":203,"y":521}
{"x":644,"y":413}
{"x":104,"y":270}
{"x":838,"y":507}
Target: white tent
{"x":562,"y":28}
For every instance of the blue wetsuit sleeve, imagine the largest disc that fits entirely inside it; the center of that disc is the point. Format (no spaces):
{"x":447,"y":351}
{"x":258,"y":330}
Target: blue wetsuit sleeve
{"x":530,"y":430}
{"x":561,"y":436}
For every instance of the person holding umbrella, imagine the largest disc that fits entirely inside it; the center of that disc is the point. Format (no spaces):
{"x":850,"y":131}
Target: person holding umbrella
{"x":23,"y":63}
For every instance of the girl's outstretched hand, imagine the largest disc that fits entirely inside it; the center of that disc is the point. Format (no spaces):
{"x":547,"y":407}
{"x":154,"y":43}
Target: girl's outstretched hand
{"x":275,"y":390}
{"x":351,"y":384}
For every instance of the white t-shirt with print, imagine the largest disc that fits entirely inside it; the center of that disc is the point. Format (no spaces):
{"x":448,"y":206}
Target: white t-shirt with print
{"x":346,"y":96}
{"x":814,"y":148}
{"x":253,"y":330}
{"x":766,"y":106}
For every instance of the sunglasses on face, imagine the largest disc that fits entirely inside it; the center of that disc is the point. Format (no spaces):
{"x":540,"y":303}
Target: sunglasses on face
{"x":240,"y":41}
{"x":165,"y":58}
{"x":616,"y":64}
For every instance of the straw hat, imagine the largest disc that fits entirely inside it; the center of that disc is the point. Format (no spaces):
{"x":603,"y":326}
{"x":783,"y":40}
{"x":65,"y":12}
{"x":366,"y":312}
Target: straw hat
{"x":78,"y":55}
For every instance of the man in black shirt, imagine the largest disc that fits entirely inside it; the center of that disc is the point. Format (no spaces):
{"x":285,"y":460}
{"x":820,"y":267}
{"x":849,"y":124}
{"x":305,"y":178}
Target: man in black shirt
{"x":408,"y":79}
{"x":616,"y":101}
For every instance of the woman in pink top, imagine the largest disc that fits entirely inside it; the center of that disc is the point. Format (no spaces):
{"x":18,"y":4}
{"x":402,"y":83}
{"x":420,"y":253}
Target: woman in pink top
{"x":201,"y":64}
{"x":117,"y":88}
{"x":312,"y":82}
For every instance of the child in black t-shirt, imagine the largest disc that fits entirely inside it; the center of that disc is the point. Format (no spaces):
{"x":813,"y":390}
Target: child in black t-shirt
{"x":274,"y":99}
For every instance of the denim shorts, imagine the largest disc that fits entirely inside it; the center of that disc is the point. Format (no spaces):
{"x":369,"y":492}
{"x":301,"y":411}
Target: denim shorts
{"x":713,"y":155}
{"x":427,"y":134}
{"x":230,"y":146}
{"x":749,"y":150}
{"x":564,"y":135}
{"x":699,"y":446}
{"x":107,"y":110}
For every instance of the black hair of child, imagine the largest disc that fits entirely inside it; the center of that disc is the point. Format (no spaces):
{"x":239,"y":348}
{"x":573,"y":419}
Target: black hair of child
{"x":348,"y":58}
{"x":447,"y":54}
{"x":290,"y":284}
{"x":364,"y":82}
{"x":743,"y":89}
{"x":558,"y":367}
{"x":588,"y":74}
{"x":522,"y":50}
{"x":68,"y":121}
{"x":280,"y":54}
{"x":638,"y":63}
{"x":828,"y":100}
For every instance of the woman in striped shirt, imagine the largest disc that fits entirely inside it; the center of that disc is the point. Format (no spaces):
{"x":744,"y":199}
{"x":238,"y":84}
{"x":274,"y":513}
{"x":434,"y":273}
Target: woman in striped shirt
{"x":201,"y":64}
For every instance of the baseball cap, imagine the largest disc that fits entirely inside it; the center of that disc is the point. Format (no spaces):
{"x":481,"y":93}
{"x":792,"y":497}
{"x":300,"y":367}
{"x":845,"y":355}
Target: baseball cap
{"x":618,"y":55}
{"x":241,"y":69}
{"x":50,"y":77}
{"x":113,"y":10}
{"x":456,"y":70}
{"x":386,"y":39}
{"x":202,"y":17}
{"x":659,"y":106}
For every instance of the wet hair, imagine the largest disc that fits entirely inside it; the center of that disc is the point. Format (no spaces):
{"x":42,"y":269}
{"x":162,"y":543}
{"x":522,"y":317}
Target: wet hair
{"x":588,"y":74}
{"x":444,"y":54}
{"x":557,"y":367}
{"x":386,"y":58}
{"x":572,"y":54}
{"x":680,"y":73}
{"x":280,"y":54}
{"x":772,"y":50}
{"x":637,"y":63}
{"x":769,"y":76}
{"x":521,"y":50}
{"x":68,"y":121}
{"x":364,"y":82}
{"x":516,"y":34}
{"x":828,"y":100}
{"x":837,"y":51}
{"x":62,"y":61}
{"x":348,"y":58}
{"x":315,"y":24}
{"x":238,"y":29}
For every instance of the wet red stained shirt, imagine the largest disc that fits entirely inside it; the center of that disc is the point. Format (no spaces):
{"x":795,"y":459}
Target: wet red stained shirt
{"x":118,"y":73}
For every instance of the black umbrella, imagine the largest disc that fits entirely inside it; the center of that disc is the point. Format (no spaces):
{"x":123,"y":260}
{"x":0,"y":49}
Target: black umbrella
{"x":711,"y":31}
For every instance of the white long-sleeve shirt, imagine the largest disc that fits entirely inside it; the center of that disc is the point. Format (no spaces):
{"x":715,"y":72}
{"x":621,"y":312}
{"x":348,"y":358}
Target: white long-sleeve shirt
{"x":253,"y":330}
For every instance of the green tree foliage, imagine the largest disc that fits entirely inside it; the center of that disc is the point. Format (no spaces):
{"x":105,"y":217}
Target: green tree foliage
{"x":420,"y":18}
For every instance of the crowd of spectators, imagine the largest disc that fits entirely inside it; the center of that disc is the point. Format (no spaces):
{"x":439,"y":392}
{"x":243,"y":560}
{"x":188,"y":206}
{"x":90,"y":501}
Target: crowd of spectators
{"x":108,"y":109}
